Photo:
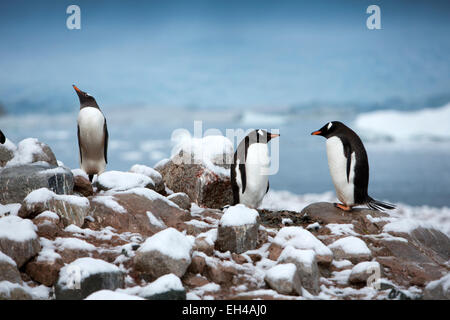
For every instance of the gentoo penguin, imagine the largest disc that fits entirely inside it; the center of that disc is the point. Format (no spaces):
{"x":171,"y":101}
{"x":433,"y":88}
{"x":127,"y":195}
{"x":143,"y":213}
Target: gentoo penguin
{"x":249,"y":170}
{"x":2,"y":137}
{"x":349,"y":167}
{"x":92,"y":135}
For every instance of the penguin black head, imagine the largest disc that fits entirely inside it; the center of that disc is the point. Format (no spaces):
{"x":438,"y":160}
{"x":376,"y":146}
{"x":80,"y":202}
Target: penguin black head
{"x":330,"y":129}
{"x":86,"y":100}
{"x":261,"y":136}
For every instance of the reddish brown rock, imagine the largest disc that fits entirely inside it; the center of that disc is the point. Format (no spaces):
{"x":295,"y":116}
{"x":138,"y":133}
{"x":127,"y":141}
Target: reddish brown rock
{"x":44,"y":272}
{"x":197,"y":265}
{"x":82,"y":186}
{"x":274,"y":251}
{"x":8,"y":269}
{"x":220,"y":274}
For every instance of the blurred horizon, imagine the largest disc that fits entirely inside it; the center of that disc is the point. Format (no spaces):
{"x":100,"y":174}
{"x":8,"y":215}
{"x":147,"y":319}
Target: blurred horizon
{"x":272,"y":55}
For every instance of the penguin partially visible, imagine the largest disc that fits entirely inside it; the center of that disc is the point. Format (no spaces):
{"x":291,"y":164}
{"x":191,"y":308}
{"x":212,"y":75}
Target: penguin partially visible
{"x":92,"y":135}
{"x":349,"y":167}
{"x":2,"y":137}
{"x":249,"y":170}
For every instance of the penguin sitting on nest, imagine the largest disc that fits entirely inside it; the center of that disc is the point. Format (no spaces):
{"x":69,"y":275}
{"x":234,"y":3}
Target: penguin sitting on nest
{"x":249,"y":170}
{"x":2,"y":137}
{"x":92,"y":135}
{"x":349,"y":167}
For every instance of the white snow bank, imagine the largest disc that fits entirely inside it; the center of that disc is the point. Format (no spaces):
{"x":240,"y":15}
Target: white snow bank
{"x":238,"y":215}
{"x":283,"y":271}
{"x":111,"y":295}
{"x":44,"y":195}
{"x":73,"y":244}
{"x":7,"y":259}
{"x":169,"y":242}
{"x":17,"y":229}
{"x":86,"y":267}
{"x":149,"y":194}
{"x":406,"y":225}
{"x":165,"y":283}
{"x":119,"y":181}
{"x":407,"y":125}
{"x":351,"y":245}
{"x":110,"y":202}
{"x":301,"y":239}
{"x":305,"y":257}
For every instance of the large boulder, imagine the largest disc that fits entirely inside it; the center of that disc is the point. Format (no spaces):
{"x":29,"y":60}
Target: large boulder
{"x":18,"y":181}
{"x":238,"y":229}
{"x":18,"y":239}
{"x":200,"y":169}
{"x":71,"y":209}
{"x":138,"y":210}
{"x":284,"y":279}
{"x":168,"y":251}
{"x":84,"y":276}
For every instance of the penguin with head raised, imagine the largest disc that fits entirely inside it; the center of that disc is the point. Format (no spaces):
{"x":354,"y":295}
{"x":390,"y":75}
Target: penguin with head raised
{"x":2,"y":137}
{"x":92,"y":135}
{"x":249,"y":170}
{"x":349,"y":167}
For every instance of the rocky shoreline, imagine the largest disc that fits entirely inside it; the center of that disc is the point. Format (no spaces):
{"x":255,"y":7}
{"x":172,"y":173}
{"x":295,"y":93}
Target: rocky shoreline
{"x":161,"y":233}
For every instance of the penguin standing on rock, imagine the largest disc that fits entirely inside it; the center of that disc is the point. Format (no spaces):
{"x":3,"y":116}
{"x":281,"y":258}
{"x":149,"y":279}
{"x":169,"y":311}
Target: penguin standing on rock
{"x":2,"y":137}
{"x":92,"y":135}
{"x":249,"y":171}
{"x":349,"y":167}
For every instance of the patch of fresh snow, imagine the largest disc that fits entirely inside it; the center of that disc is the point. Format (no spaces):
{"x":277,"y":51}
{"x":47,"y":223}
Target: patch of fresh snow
{"x":341,"y":263}
{"x":163,"y":284}
{"x":406,"y":225}
{"x":9,"y":209}
{"x":7,"y":259}
{"x":283,"y":271}
{"x":305,"y":257}
{"x":87,"y":267}
{"x":238,"y":215}
{"x":111,"y":295}
{"x":80,"y":172}
{"x":120,"y":181}
{"x":17,"y":229}
{"x":73,"y":244}
{"x":146,"y":171}
{"x":169,"y":242}
{"x":351,"y":245}
{"x":44,"y":195}
{"x":48,"y":214}
{"x":301,"y":239}
{"x":155,"y":221}
{"x":149,"y":194}
{"x":341,"y":229}
{"x":110,"y":202}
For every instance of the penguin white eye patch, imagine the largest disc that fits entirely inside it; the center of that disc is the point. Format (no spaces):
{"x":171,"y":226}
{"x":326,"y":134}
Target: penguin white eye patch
{"x":329,"y":125}
{"x":260,"y":132}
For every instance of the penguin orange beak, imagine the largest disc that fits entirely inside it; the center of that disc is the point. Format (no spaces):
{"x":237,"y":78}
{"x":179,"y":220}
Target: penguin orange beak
{"x":274,"y":135}
{"x":76,"y":89}
{"x":315,"y":133}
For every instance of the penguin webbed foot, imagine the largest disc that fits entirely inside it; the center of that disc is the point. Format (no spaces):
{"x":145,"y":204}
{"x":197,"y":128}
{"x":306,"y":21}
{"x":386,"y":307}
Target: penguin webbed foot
{"x":343,"y":207}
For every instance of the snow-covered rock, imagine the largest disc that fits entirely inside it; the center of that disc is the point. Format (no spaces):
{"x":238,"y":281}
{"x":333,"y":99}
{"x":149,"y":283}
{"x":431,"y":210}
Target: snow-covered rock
{"x":111,"y":295}
{"x":351,"y":248}
{"x":181,"y":199}
{"x":284,"y":279}
{"x":18,"y":181}
{"x":363,"y":270}
{"x":168,"y":251}
{"x":31,"y":150}
{"x":438,"y":289}
{"x":151,"y":173}
{"x":71,"y":209}
{"x":200,"y":168}
{"x":84,"y":276}
{"x":8,"y":269}
{"x":238,"y":229}
{"x":166,"y":287}
{"x":6,"y":152}
{"x":307,"y":268}
{"x":300,"y":238}
{"x":18,"y":239}
{"x":120,"y":181}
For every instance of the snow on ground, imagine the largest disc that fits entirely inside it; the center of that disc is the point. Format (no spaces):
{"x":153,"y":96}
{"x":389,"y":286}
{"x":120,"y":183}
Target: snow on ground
{"x":406,"y":225}
{"x":155,"y":221}
{"x":47,"y":252}
{"x":80,"y":172}
{"x":119,"y":181}
{"x":170,"y":242}
{"x":25,"y":152}
{"x":37,"y":293}
{"x":17,"y":229}
{"x":351,"y":245}
{"x":301,"y":239}
{"x":149,"y":194}
{"x":73,"y":244}
{"x":341,"y":263}
{"x":111,"y":295}
{"x":48,"y":214}
{"x":7,"y":259}
{"x":366,"y":267}
{"x":283,"y":271}
{"x":238,"y":215}
{"x":9,"y":209}
{"x":444,"y":282}
{"x":146,"y":171}
{"x":305,"y":257}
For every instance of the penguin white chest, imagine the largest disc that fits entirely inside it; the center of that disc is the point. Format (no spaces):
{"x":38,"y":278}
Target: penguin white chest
{"x":337,"y":163}
{"x":256,"y":169}
{"x":92,"y":137}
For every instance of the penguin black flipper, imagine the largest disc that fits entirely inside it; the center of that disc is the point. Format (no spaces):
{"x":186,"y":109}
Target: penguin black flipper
{"x":79,"y":144}
{"x":105,"y":131}
{"x":2,"y":137}
{"x":347,"y":154}
{"x":268,"y":186}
